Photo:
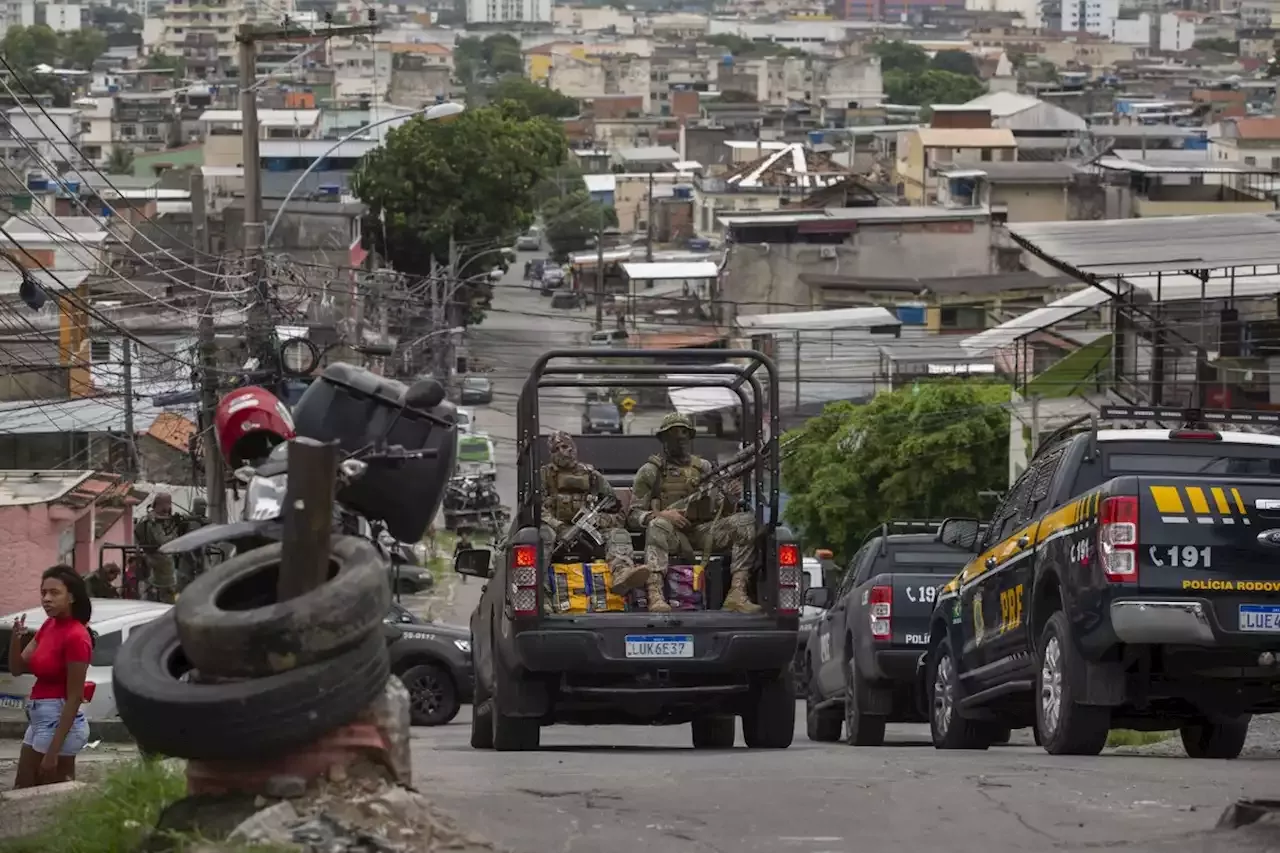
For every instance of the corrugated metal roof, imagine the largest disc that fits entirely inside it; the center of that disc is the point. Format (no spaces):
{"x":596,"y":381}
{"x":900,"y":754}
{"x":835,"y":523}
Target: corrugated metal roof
{"x":85,"y":414}
{"x":1056,"y":311}
{"x":656,"y":272}
{"x":1146,"y":246}
{"x":840,"y":318}
{"x":981,"y":137}
{"x":28,"y":488}
{"x":266,"y":118}
{"x":650,"y":154}
{"x":600,"y":183}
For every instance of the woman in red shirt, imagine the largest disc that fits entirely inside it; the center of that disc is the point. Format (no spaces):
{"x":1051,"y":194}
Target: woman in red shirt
{"x":58,"y":657}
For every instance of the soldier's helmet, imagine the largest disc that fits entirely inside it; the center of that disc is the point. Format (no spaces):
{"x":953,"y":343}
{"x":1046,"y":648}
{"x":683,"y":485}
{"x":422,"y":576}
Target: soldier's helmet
{"x":674,"y":420}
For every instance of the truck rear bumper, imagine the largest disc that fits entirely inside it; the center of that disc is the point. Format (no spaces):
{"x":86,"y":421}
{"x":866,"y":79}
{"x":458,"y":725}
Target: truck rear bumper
{"x":1184,"y":622}
{"x":569,"y":651}
{"x":898,"y":664}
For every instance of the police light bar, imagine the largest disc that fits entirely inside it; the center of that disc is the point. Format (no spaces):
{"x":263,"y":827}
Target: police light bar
{"x":1189,"y":416}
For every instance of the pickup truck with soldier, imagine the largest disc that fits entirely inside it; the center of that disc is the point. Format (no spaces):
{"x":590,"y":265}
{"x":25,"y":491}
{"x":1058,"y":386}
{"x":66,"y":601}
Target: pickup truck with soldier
{"x":1130,"y":578}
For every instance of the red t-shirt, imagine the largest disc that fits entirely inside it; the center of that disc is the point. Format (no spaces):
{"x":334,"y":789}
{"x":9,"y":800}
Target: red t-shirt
{"x":58,"y":643}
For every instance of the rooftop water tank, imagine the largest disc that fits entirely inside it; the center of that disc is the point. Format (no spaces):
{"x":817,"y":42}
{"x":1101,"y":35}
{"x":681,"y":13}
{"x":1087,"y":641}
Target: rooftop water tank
{"x":815,"y":137}
{"x":727,"y":60}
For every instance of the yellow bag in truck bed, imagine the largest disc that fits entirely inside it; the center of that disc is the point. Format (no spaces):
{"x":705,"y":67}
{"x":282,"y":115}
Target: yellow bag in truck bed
{"x":583,"y":588}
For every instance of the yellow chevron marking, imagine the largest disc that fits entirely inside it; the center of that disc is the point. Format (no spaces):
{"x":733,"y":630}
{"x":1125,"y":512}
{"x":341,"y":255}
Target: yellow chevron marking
{"x":1220,"y":498}
{"x":1235,"y":493}
{"x":1198,"y":503}
{"x":1167,"y":499}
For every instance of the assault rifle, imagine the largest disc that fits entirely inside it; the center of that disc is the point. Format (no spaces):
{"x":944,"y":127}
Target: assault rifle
{"x":584,"y":524}
{"x":718,"y":478}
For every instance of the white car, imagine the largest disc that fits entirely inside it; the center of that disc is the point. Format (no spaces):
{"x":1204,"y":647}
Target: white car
{"x":464,"y":419}
{"x":113,"y":619}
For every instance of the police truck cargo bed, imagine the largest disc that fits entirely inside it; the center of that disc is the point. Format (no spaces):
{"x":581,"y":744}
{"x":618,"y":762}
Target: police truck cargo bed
{"x":1136,"y":573}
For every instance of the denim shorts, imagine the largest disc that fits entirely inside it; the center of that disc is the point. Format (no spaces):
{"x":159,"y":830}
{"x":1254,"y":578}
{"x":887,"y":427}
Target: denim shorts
{"x":42,"y":723}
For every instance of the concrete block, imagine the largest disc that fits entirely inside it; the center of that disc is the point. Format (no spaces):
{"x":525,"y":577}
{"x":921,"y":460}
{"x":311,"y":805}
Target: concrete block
{"x":31,"y":810}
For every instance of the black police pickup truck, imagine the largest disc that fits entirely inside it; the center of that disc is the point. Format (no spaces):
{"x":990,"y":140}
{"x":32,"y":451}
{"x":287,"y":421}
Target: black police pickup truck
{"x":434,"y":662}
{"x":1130,"y":578}
{"x":610,"y":662}
{"x":860,"y":661}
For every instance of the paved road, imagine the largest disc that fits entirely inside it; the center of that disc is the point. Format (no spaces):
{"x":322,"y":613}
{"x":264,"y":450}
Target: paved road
{"x":643,"y":789}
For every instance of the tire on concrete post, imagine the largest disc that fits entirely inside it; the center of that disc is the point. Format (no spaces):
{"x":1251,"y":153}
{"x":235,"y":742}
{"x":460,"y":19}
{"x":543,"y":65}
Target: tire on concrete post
{"x":232,"y":626}
{"x":511,"y":734}
{"x":1070,"y":728}
{"x":237,"y":720}
{"x":1222,"y":739}
{"x":715,"y":732}
{"x":770,"y":722}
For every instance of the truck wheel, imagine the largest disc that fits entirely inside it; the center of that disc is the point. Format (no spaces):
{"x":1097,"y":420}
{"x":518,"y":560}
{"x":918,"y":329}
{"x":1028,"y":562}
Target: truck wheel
{"x":1216,"y":740}
{"x":511,"y":734}
{"x":481,"y":714}
{"x":822,"y":725}
{"x":714,"y":732}
{"x":433,"y":695}
{"x":1066,"y":726}
{"x":771,"y":721}
{"x":860,"y":728}
{"x":948,"y":728}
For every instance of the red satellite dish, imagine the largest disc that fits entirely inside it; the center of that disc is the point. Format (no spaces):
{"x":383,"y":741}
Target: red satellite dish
{"x":248,"y":423}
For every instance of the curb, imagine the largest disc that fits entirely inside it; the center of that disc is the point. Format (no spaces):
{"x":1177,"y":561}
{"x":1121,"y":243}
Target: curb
{"x":33,"y":810}
{"x":111,"y":731}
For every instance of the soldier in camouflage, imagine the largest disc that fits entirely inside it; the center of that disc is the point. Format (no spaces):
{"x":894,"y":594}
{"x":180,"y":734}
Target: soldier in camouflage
{"x":569,"y":485}
{"x":160,"y":525}
{"x":672,"y":525}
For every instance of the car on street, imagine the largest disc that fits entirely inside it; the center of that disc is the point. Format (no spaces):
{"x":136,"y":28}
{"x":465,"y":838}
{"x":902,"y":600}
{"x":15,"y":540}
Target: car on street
{"x":601,"y":419}
{"x":552,"y":277}
{"x":610,"y":338}
{"x":1127,"y":580}
{"x":433,"y":660}
{"x":530,"y":241}
{"x":476,"y":391}
{"x":410,"y":579}
{"x":113,"y":620}
{"x":464,"y":419}
{"x":860,"y":658}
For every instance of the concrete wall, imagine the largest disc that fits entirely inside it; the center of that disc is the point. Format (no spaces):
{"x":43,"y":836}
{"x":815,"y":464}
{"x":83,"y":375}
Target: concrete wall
{"x":1032,"y":202}
{"x":766,"y":278}
{"x":31,"y":540}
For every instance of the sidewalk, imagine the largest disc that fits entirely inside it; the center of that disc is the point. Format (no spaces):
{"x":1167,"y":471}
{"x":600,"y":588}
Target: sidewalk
{"x":89,"y":764}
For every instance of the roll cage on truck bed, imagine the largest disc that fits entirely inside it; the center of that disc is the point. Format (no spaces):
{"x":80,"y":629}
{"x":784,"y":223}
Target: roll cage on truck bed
{"x":536,"y":668}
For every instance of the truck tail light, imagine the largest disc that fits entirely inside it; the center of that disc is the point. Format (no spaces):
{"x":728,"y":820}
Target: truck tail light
{"x":1118,"y":539}
{"x":524,"y":580}
{"x":881,"y":612}
{"x":789,"y":579}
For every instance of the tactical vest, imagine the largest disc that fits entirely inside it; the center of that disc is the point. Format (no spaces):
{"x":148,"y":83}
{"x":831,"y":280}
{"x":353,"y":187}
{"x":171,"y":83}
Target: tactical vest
{"x":676,"y":482}
{"x":568,"y":489}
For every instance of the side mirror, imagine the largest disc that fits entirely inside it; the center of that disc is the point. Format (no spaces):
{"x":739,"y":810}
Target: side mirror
{"x":817,"y":596}
{"x":474,"y":562}
{"x":962,"y":533}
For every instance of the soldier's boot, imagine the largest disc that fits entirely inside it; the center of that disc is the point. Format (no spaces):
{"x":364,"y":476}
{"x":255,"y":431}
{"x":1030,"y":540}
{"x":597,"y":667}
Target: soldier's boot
{"x":629,"y":577}
{"x":657,"y":600}
{"x":736,"y":601}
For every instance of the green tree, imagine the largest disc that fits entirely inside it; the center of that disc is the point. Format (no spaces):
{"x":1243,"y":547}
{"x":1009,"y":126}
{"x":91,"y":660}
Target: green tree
{"x":900,"y":56}
{"x":540,"y":100}
{"x":26,"y":47}
{"x":931,"y":87}
{"x":81,"y":48}
{"x":955,"y":61}
{"x":470,"y":180}
{"x":571,"y":220}
{"x":923,"y":452}
{"x":1218,"y":45}
{"x":164,"y":62}
{"x":120,"y":162}
{"x":502,"y":54}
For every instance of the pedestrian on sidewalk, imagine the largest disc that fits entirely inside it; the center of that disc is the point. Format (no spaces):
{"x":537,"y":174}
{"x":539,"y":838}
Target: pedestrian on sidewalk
{"x":58,"y":656}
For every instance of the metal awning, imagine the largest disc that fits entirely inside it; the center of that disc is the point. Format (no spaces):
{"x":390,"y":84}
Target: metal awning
{"x":1134,"y":247}
{"x":675,"y":269}
{"x":806,"y":321}
{"x":1034,"y":321}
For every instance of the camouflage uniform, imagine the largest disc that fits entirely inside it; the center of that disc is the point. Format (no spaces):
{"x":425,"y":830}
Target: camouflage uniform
{"x":670,"y":477}
{"x":99,"y":585}
{"x":150,"y":533}
{"x":567,"y":486}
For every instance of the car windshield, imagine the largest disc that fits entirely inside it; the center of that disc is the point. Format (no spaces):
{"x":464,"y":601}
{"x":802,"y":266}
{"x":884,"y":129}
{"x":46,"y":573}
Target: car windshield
{"x":602,"y":412}
{"x":463,"y":418}
{"x":475,"y":383}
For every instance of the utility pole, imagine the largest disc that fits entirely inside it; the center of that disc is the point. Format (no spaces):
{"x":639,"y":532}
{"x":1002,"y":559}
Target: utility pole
{"x":648,"y":221}
{"x":600,"y":270}
{"x":126,"y":364}
{"x":254,"y":227}
{"x":215,"y":477}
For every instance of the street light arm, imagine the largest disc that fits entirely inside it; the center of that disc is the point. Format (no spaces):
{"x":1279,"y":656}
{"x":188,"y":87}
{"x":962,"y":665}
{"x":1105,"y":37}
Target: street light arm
{"x":431,"y":113}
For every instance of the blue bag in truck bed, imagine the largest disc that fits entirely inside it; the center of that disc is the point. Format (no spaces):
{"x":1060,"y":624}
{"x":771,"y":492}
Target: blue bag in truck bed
{"x":583,"y":588}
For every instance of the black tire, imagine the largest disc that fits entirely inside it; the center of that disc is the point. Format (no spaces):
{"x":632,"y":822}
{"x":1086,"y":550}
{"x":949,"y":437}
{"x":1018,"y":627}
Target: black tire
{"x":821,"y":725}
{"x":860,"y":729}
{"x":481,"y":713}
{"x":511,"y":734}
{"x":232,"y":626}
{"x":948,"y":729}
{"x":237,"y":720}
{"x":771,"y":721}
{"x":433,"y":695}
{"x":1073,"y":728}
{"x":715,"y":732}
{"x":1222,"y":740}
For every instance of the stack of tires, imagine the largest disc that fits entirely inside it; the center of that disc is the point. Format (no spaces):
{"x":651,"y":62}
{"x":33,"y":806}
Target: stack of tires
{"x":231,"y":673}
